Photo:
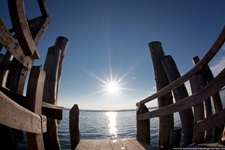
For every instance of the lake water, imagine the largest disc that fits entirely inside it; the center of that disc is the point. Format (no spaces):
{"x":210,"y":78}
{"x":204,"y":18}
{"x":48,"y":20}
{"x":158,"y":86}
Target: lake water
{"x":107,"y":125}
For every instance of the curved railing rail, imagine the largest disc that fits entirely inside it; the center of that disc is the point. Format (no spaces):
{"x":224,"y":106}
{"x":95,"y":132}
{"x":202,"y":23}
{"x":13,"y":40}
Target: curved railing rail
{"x":193,"y":101}
{"x":190,"y":101}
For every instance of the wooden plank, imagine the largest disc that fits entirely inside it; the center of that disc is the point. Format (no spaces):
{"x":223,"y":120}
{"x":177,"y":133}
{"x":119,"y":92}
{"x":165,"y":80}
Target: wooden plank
{"x":21,"y":28}
{"x":140,"y":144}
{"x":49,"y":110}
{"x":94,"y":145}
{"x":13,"y":47}
{"x":34,"y":103}
{"x":116,"y":144}
{"x":42,"y":24}
{"x":39,"y":25}
{"x":129,"y":145}
{"x":15,"y":116}
{"x":103,"y":145}
{"x":198,"y":67}
{"x":52,"y":111}
{"x":113,"y":144}
{"x":83,"y":145}
{"x":190,"y":101}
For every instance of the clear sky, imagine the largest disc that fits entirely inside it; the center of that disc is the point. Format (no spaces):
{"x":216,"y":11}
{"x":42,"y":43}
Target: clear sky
{"x":108,"y":41}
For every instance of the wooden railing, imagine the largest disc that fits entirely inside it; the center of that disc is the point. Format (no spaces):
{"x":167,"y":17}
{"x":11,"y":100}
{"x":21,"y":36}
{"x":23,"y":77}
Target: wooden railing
{"x":37,"y":112}
{"x":199,"y":95}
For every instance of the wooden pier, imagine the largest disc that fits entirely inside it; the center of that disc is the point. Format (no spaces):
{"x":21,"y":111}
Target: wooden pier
{"x":36,"y":113}
{"x":114,"y":144}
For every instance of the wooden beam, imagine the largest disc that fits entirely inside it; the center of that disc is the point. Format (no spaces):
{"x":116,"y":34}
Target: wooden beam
{"x":43,"y":8}
{"x":34,"y":103}
{"x":52,"y":111}
{"x":13,"y":47}
{"x":49,"y":110}
{"x":190,"y":101}
{"x":21,"y":28}
{"x":37,"y":27}
{"x":15,"y":116}
{"x":43,"y":23}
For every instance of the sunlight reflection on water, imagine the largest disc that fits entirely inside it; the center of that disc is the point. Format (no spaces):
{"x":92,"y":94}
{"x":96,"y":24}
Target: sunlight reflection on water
{"x":112,"y":124}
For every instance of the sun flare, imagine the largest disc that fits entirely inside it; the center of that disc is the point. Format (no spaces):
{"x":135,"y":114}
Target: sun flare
{"x":112,"y":87}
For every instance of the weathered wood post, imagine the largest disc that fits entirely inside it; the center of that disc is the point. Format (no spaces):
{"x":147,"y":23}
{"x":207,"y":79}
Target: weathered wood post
{"x":61,"y":43}
{"x":198,"y":109}
{"x":34,"y":103}
{"x":175,"y":135}
{"x":143,"y":126}
{"x":186,"y":116}
{"x":53,"y":69}
{"x":74,"y":127}
{"x":207,"y":102}
{"x":165,"y":122}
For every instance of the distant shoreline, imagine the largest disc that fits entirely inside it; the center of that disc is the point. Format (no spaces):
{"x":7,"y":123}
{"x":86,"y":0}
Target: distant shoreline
{"x":222,"y":94}
{"x":123,"y":110}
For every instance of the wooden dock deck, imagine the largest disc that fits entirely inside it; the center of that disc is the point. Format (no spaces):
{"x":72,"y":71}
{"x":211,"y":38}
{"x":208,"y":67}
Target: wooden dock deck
{"x":115,"y":144}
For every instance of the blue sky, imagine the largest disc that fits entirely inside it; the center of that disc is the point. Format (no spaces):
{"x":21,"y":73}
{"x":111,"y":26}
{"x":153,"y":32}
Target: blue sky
{"x":109,"y":39}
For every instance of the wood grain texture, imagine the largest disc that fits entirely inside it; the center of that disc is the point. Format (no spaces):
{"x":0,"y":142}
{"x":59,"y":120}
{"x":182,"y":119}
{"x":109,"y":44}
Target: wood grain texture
{"x":190,"y":101}
{"x":9,"y":42}
{"x":15,"y":116}
{"x":165,"y":122}
{"x":34,"y":103}
{"x":143,"y":126}
{"x":74,"y":126}
{"x":114,"y":144}
{"x":186,"y":116}
{"x":21,"y":28}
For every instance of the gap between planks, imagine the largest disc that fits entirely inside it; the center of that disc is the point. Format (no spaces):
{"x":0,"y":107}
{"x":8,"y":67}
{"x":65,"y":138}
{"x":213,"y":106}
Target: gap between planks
{"x":114,"y":144}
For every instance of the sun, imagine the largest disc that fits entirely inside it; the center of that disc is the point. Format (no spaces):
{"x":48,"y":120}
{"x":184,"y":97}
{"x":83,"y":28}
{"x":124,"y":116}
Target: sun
{"x":112,"y":87}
